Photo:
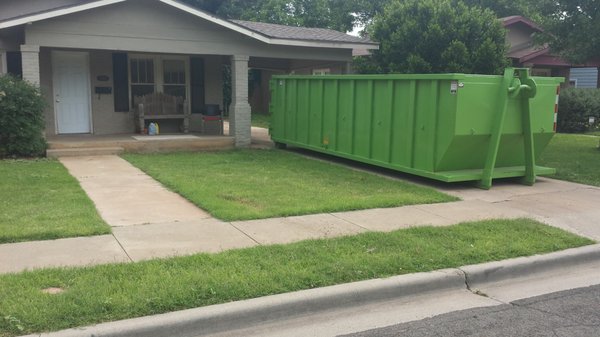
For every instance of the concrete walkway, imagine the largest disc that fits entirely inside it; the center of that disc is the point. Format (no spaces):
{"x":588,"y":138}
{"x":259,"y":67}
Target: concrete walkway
{"x":149,"y":221}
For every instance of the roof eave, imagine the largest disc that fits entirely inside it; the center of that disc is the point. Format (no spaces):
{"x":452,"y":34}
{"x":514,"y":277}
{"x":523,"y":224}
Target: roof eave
{"x":55,"y":13}
{"x":534,"y":54}
{"x":517,"y":18}
{"x":323,"y":44}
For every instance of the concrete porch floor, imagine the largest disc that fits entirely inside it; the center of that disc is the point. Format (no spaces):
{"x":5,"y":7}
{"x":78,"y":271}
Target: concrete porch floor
{"x":85,"y":144}
{"x":89,"y":145}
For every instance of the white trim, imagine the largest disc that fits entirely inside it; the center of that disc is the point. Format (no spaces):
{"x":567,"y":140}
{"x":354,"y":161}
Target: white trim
{"x":89,"y":88}
{"x":200,"y":14}
{"x":58,"y":12}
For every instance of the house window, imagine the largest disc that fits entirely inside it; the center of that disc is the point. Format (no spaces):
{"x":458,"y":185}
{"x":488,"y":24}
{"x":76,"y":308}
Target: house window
{"x":174,"y":78}
{"x":142,"y":77}
{"x":158,"y":73}
{"x":573,"y":83}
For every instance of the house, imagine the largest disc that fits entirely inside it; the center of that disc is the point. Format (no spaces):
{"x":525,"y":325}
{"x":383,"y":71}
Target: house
{"x":585,"y":77}
{"x":91,"y":58}
{"x":525,"y":53}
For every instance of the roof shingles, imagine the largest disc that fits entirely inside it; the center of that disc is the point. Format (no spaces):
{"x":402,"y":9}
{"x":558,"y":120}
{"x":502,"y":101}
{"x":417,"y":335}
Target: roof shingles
{"x":300,"y":33}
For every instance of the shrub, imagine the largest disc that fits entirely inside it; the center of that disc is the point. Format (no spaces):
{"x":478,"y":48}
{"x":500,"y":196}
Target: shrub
{"x":575,"y":107}
{"x":21,"y":119}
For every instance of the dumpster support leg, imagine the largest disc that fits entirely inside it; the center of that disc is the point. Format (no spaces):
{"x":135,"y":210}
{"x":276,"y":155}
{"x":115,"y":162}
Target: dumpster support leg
{"x":516,"y":84}
{"x":529,"y":178}
{"x":492,"y":154}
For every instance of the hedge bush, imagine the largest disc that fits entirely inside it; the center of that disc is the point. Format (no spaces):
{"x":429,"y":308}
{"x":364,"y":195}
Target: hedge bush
{"x":21,"y":119}
{"x":575,"y":107}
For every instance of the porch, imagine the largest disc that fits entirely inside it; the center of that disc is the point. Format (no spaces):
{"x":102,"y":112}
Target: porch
{"x":87,"y":144}
{"x":92,"y":62}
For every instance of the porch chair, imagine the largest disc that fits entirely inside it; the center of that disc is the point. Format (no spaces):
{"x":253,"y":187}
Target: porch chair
{"x":212,"y":120}
{"x":157,"y":106}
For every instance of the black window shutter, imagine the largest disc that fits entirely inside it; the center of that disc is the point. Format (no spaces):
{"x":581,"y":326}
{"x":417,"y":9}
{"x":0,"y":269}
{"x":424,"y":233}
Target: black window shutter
{"x":120,"y":82}
{"x":197,"y":83}
{"x":14,"y":63}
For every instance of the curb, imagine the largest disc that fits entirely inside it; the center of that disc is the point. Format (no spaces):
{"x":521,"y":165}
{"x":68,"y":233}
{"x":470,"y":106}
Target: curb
{"x":529,"y":266}
{"x":243,"y":314}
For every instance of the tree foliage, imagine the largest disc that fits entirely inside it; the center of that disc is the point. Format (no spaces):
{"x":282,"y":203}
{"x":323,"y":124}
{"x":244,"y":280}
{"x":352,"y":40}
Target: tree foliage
{"x":435,"y":36}
{"x":573,"y":29}
{"x":536,"y":10}
{"x":340,"y":15}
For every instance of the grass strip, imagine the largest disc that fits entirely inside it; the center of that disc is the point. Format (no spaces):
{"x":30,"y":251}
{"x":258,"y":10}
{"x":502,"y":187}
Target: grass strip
{"x":112,"y":292}
{"x":254,"y":184}
{"x":40,"y":200}
{"x":575,"y":157}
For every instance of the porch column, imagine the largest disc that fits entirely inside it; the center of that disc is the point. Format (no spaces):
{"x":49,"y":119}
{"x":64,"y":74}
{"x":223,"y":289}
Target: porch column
{"x":239,"y":110}
{"x":348,"y":68}
{"x":31,"y":63}
{"x":3,"y":66}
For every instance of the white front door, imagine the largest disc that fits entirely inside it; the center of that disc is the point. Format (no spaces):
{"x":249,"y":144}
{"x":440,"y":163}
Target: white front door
{"x":71,"y":91}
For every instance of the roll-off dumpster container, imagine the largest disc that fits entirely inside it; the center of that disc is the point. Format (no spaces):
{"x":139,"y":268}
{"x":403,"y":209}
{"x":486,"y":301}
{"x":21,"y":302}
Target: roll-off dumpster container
{"x":449,"y":127}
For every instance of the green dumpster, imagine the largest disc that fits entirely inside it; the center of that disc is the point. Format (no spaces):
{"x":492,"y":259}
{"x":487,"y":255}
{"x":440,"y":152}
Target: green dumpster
{"x":449,"y":127}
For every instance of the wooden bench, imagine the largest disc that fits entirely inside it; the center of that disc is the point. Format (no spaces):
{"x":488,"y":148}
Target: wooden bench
{"x":157,"y":106}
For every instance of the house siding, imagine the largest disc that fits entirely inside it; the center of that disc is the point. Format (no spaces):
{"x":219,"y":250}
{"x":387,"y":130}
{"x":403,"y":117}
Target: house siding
{"x":586,"y":77}
{"x":143,"y":26}
{"x":518,"y":37}
{"x":105,"y":119}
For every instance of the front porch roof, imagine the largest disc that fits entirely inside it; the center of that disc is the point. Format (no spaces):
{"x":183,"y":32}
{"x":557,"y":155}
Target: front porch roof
{"x":267,"y":33}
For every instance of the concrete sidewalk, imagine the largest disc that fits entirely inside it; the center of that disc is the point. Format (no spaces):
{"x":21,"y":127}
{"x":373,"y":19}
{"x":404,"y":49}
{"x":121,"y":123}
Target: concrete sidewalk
{"x":149,"y":221}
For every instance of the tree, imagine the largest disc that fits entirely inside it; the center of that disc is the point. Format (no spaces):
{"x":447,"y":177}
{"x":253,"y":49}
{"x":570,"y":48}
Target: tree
{"x":436,"y":36}
{"x":535,"y":10}
{"x":573,"y":30}
{"x":340,"y":15}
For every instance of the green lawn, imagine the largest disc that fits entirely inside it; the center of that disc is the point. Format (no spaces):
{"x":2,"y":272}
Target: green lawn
{"x":112,"y":292}
{"x":39,"y":200}
{"x":261,"y":120}
{"x":252,"y":184}
{"x":575,"y":157}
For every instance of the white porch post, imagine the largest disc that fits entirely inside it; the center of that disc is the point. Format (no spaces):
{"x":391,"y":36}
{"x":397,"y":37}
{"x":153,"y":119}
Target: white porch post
{"x":239,"y":110}
{"x":3,"y":66}
{"x":348,"y":68}
{"x":31,"y":63}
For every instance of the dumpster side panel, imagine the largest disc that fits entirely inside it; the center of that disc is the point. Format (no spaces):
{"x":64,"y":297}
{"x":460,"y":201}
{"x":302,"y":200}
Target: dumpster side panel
{"x":438,"y":126}
{"x":315,"y":130}
{"x":405,"y":105}
{"x":426,"y":106}
{"x":362,"y":118}
{"x":346,"y":117}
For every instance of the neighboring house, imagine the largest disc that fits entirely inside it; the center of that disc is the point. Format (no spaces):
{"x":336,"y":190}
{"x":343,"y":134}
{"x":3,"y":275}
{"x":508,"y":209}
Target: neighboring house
{"x":584,"y":77}
{"x":525,"y":53}
{"x":91,"y":58}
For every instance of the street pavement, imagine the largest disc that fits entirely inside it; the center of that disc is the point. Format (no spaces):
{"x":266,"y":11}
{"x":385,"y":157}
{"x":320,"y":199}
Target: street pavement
{"x":570,"y":313}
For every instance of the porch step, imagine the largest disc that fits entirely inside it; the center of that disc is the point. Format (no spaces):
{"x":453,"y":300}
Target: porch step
{"x":81,"y":152}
